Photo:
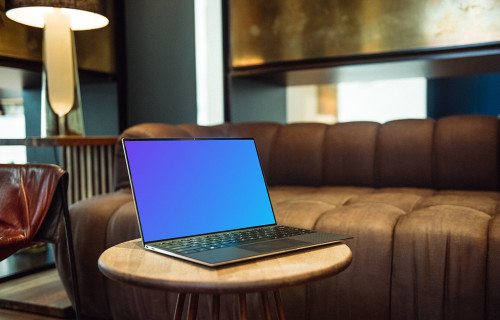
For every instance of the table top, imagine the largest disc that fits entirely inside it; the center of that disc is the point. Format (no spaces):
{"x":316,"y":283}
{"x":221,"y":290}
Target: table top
{"x":130,"y":263}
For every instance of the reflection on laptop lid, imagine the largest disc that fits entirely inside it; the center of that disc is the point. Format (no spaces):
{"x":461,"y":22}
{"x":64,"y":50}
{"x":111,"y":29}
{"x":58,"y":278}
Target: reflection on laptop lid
{"x":191,"y":187}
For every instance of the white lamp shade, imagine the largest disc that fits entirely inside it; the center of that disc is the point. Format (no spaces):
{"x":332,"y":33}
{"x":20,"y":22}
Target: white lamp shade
{"x":85,"y":15}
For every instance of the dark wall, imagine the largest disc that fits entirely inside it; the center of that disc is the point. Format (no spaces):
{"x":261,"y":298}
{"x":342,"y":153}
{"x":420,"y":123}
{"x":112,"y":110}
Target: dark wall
{"x":160,"y":54}
{"x":257,"y":101}
{"x":100,"y":108}
{"x":478,"y":94}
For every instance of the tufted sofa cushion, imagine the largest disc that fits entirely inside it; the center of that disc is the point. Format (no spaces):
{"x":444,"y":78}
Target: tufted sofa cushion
{"x":420,"y":198}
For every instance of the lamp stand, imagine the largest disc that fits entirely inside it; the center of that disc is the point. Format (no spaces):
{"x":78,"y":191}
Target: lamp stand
{"x":61,"y":102}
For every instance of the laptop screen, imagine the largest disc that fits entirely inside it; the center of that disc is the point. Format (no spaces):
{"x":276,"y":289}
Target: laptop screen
{"x":190,"y":187}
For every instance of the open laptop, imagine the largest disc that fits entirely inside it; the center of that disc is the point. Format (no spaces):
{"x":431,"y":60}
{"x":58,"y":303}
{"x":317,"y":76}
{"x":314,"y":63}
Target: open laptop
{"x":206,"y":201}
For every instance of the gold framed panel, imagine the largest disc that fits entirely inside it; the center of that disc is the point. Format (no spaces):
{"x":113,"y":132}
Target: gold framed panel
{"x":270,"y":31}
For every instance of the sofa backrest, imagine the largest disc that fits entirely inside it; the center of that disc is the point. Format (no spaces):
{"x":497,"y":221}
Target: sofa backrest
{"x":456,"y":152}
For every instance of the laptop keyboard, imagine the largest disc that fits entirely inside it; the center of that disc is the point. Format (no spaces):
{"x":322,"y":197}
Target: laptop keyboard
{"x":227,"y":239}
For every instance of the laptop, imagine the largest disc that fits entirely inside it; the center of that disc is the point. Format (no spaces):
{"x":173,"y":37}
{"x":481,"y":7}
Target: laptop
{"x":206,"y":201}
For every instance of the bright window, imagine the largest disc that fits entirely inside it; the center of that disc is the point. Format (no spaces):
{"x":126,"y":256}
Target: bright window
{"x":383,"y":101}
{"x":209,"y":78}
{"x":379,"y":101}
{"x":12,"y":125}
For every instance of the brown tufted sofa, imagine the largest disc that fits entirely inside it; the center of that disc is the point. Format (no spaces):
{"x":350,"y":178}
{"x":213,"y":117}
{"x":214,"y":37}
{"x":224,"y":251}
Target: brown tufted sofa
{"x":420,"y":197}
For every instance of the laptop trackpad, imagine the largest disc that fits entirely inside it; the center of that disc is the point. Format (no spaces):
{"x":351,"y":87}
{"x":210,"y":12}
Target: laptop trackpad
{"x":271,"y":246}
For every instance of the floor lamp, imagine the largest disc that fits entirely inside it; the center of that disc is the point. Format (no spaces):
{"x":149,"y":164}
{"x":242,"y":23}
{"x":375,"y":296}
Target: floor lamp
{"x":60,"y":84}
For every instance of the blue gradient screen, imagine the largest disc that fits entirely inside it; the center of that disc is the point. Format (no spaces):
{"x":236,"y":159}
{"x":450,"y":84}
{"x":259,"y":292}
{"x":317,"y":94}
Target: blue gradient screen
{"x":189,"y":187}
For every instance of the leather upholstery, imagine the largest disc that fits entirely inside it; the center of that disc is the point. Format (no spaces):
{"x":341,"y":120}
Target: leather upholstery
{"x":420,"y":197}
{"x":25,"y":198}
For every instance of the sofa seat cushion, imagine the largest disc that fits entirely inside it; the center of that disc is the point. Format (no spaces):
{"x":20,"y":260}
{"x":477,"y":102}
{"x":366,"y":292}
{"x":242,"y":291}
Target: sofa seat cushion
{"x":444,"y":247}
{"x":412,"y":240}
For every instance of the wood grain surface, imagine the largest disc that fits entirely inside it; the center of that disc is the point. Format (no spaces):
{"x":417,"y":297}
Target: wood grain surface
{"x":130,"y":263}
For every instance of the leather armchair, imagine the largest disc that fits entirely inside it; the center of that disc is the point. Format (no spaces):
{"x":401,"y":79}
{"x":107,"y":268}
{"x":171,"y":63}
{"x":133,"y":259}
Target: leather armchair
{"x":33,"y":206}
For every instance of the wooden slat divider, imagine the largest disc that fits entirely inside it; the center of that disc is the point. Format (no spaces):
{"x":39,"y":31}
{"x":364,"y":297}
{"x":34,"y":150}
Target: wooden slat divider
{"x":95,"y":170}
{"x":75,"y":163}
{"x":102,"y":163}
{"x":89,"y":177}
{"x":88,"y":160}
{"x":110,"y":166}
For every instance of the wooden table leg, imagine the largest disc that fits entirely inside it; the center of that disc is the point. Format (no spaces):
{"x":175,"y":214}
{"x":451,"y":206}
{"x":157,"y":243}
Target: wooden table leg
{"x":279,"y":305}
{"x":179,"y":306}
{"x":193,"y":306}
{"x":265,"y":302}
{"x":243,"y":306}
{"x":215,"y":307}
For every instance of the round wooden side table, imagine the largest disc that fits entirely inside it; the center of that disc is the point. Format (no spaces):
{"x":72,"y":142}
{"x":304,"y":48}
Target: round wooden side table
{"x":130,"y":263}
